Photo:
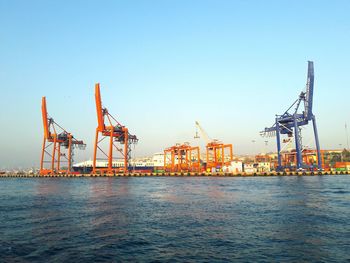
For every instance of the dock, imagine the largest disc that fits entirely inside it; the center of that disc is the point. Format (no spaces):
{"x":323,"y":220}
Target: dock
{"x":203,"y":174}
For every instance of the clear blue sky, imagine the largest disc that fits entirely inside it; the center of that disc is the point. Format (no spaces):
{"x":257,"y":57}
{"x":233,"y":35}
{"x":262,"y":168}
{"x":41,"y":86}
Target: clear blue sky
{"x":232,"y":65}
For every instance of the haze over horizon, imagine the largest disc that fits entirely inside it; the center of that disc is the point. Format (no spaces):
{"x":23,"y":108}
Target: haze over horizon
{"x":162,"y":65}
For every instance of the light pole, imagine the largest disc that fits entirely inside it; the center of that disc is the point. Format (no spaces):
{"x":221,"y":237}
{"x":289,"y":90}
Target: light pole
{"x":266,"y":142}
{"x":347,"y":136}
{"x":253,"y":141}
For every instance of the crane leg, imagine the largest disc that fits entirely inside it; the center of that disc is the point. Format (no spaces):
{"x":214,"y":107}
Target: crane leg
{"x":297,"y":144}
{"x":110,"y":154}
{"x":126,"y":147}
{"x":95,"y":153}
{"x":53,"y":155}
{"x":58,"y":157}
{"x":42,"y":155}
{"x":319,"y":159}
{"x":69,"y":154}
{"x":278,"y":138}
{"x":222,"y":156}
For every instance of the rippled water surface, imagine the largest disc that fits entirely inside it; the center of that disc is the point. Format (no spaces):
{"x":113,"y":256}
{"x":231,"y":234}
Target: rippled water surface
{"x":175,"y":219}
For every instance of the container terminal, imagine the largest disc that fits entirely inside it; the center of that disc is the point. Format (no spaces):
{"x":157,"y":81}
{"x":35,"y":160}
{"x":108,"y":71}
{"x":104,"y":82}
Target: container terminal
{"x":113,"y":146}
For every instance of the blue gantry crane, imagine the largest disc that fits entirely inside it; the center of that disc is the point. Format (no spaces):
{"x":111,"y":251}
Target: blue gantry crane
{"x":290,"y":123}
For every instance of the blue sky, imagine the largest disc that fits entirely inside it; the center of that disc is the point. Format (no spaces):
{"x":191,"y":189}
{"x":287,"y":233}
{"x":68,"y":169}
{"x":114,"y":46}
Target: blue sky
{"x":231,"y":65}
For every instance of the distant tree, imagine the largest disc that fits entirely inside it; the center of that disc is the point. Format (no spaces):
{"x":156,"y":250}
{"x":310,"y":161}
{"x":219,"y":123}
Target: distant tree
{"x":248,"y":160}
{"x":335,"y":158}
{"x":346,"y":155}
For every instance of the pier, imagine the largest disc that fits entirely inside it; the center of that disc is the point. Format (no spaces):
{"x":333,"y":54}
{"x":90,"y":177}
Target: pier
{"x":192,"y":174}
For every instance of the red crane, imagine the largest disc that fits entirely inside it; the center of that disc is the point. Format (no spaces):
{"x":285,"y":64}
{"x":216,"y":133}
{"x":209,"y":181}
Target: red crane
{"x":61,"y":143}
{"x":182,"y":158}
{"x":218,"y":153}
{"x":116,"y":133}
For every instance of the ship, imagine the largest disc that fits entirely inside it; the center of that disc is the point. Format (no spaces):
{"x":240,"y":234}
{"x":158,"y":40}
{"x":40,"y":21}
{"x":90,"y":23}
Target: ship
{"x":151,"y":164}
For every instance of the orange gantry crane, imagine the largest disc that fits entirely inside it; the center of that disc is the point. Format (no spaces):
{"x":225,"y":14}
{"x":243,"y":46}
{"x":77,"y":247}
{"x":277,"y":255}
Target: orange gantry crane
{"x":117,"y":133}
{"x":61,"y":143}
{"x":182,"y":158}
{"x":218,"y":153}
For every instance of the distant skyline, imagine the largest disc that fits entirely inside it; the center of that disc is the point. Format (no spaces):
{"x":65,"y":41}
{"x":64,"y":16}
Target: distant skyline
{"x":162,"y":65}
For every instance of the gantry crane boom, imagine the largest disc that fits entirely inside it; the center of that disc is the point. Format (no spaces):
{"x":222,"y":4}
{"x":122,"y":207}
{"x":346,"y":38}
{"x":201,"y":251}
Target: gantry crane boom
{"x":46,"y":123}
{"x":99,"y":109}
{"x":309,"y":91}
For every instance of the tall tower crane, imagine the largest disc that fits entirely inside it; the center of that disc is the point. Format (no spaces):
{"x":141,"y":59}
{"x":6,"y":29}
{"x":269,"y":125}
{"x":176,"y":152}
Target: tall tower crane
{"x":291,"y":121}
{"x":204,"y":134}
{"x":116,"y":133}
{"x":216,"y":156}
{"x":61,"y":142}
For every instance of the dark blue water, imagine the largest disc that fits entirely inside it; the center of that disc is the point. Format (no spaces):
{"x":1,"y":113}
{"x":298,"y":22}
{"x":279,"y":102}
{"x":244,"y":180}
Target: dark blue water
{"x":175,"y":219}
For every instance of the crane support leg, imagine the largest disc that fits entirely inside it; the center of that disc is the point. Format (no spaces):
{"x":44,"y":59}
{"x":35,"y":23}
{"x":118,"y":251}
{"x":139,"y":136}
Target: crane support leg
{"x":42,"y":155}
{"x":95,"y":153}
{"x":278,"y":138}
{"x":319,"y":159}
{"x":297,"y":143}
{"x":69,"y":154}
{"x":110,"y":154}
{"x":58,"y":157}
{"x":222,"y":156}
{"x":199,"y":159}
{"x":53,"y":155}
{"x":126,"y":149}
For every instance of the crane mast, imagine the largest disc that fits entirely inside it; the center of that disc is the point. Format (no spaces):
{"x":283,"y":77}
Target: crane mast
{"x":309,"y":91}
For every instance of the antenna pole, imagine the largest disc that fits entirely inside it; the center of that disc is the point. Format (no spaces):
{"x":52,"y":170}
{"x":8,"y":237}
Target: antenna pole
{"x":347,"y":136}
